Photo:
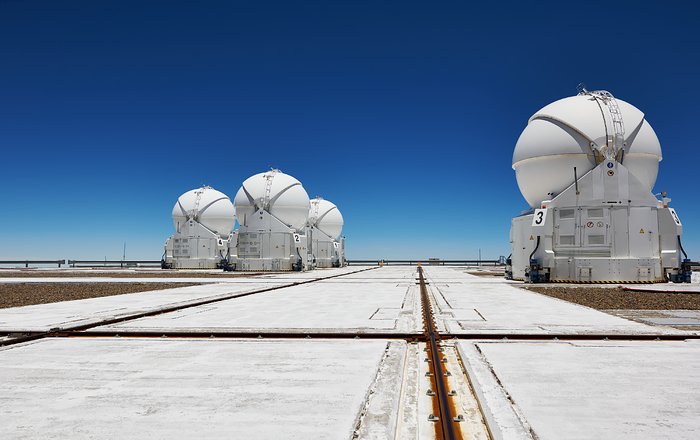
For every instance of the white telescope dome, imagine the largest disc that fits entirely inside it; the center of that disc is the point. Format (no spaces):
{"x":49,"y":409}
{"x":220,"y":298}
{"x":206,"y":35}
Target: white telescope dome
{"x":207,"y":206}
{"x":277,"y":193}
{"x":564,"y":134}
{"x":325,"y":216}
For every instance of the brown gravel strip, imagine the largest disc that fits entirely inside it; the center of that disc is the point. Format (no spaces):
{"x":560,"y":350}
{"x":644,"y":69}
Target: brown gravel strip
{"x":139,"y":274}
{"x":486,"y":274}
{"x":24,"y":294}
{"x":615,"y":298}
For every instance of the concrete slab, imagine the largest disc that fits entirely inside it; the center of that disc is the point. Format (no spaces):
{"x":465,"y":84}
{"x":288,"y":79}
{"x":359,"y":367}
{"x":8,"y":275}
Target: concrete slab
{"x":68,"y":314}
{"x":325,"y":306}
{"x":318,"y":273}
{"x":43,"y":317}
{"x":665,"y":287}
{"x":478,"y":305}
{"x":673,"y":318}
{"x":588,"y":390}
{"x":382,"y":415}
{"x":84,"y":388}
{"x":278,"y":277}
{"x":387,"y":274}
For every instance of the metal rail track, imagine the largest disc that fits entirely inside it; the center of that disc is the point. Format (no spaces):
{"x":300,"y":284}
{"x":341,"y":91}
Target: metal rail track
{"x":569,"y":337}
{"x":447,"y":428}
{"x":239,"y":335}
{"x":406,"y":336}
{"x":78,"y":328}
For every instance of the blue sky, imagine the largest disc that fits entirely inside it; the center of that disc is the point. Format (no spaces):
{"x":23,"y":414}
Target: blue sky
{"x":403,"y":114}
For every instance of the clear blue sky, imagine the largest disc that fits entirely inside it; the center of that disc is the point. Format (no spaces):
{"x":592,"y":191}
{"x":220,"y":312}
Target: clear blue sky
{"x":404,"y":114}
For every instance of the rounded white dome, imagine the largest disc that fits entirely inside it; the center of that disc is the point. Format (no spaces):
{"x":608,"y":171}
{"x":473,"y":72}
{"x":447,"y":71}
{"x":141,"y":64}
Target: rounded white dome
{"x":563,"y":135}
{"x":279,"y":194}
{"x":325,"y":216}
{"x":211,"y":208}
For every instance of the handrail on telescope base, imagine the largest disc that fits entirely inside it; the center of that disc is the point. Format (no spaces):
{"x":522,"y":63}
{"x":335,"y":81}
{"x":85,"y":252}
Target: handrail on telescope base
{"x":114,"y":263}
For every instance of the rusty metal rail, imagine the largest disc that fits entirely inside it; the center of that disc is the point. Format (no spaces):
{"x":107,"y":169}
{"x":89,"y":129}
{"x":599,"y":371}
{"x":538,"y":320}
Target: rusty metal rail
{"x":238,"y":334}
{"x":476,"y":337}
{"x":406,"y":336}
{"x":447,"y":428}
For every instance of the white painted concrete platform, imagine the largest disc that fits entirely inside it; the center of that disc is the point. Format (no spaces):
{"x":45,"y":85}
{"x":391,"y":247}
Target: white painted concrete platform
{"x":280,"y":277}
{"x":587,"y":390}
{"x":43,"y":317}
{"x":169,"y":388}
{"x":471,"y":304}
{"x":689,"y":319}
{"x":184,"y":389}
{"x":384,"y":300}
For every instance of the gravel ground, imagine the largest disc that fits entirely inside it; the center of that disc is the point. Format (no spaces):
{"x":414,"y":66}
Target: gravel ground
{"x":126,"y":274}
{"x":486,"y":273}
{"x":15,"y":295}
{"x":603,"y":298}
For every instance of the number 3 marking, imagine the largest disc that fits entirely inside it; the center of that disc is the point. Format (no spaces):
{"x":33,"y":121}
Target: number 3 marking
{"x":540,"y":217}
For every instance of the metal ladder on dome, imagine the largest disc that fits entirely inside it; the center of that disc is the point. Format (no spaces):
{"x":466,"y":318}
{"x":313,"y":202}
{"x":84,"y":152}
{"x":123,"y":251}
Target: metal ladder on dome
{"x":195,"y":209}
{"x":617,"y":149}
{"x":265,"y":199}
{"x":618,"y":124}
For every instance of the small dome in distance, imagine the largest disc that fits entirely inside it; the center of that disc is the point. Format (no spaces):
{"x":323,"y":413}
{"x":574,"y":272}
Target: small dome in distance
{"x":207,"y":206}
{"x":325,"y":216}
